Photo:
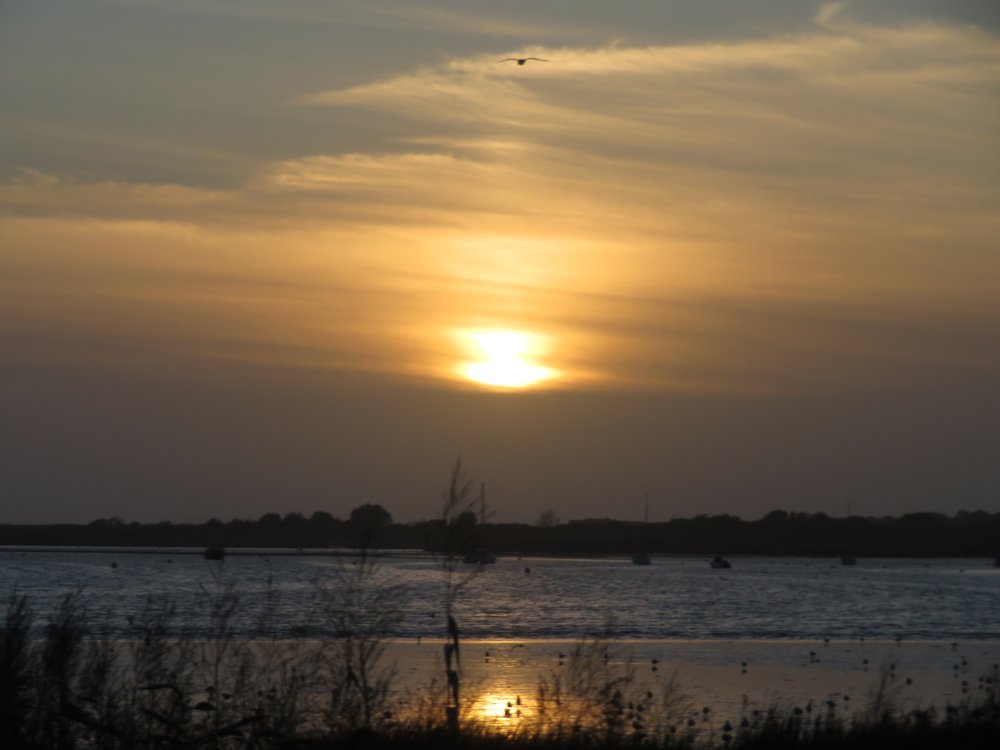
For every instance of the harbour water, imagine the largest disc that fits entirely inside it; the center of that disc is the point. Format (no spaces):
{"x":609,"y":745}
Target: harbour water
{"x":675,"y":598}
{"x":722,"y":643}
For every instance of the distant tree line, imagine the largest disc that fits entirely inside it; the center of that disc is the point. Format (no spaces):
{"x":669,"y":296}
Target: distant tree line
{"x":975,"y":534}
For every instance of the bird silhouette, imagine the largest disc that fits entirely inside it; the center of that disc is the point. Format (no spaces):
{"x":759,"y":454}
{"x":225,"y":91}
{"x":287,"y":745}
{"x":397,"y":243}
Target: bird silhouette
{"x":520,"y":60}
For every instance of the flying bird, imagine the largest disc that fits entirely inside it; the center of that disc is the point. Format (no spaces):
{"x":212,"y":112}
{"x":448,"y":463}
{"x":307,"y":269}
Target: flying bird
{"x":520,"y":60}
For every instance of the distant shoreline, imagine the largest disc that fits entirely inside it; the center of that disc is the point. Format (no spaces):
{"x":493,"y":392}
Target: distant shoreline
{"x":345,"y":552}
{"x":237,"y":551}
{"x":779,"y":533}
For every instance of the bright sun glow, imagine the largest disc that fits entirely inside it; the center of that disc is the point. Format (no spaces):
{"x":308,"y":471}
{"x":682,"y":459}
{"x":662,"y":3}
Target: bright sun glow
{"x":503,"y":359}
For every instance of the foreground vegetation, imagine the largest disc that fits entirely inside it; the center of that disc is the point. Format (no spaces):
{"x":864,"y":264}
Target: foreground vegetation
{"x":139,"y":686}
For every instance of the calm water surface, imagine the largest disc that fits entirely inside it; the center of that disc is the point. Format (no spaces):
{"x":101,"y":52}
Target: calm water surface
{"x":675,"y":598}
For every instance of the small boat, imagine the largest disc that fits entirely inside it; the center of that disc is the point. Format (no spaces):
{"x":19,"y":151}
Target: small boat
{"x":214,"y":552}
{"x":848,"y":560}
{"x":641,"y":558}
{"x":479,"y":557}
{"x":997,"y":562}
{"x":718,"y":562}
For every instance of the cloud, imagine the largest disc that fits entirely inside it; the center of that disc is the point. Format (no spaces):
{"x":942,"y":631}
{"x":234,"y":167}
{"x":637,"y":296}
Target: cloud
{"x":809,"y":87}
{"x":862,"y":113}
{"x":828,"y":12}
{"x":376,"y":14}
{"x":772,"y":214}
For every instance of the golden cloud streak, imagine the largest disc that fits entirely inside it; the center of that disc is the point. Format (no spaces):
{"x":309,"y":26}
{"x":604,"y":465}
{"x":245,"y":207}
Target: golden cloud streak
{"x":706,"y":217}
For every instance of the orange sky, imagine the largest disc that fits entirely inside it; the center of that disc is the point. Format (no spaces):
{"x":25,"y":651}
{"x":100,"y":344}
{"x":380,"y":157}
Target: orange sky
{"x":250,"y":255}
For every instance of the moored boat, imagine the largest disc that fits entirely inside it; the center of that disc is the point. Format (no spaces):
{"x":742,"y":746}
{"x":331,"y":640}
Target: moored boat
{"x":719,"y":562}
{"x":214,"y":552}
{"x":479,"y":557}
{"x":641,"y":558}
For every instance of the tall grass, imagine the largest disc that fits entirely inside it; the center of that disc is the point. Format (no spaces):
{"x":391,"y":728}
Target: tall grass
{"x":143,"y":685}
{"x":147,"y":684}
{"x":364,"y":609}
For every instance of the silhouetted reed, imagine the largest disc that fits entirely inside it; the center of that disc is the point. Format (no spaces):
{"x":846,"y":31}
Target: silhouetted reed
{"x":457,"y":537}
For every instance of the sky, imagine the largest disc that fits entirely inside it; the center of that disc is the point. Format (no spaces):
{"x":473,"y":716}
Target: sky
{"x":294,"y":255}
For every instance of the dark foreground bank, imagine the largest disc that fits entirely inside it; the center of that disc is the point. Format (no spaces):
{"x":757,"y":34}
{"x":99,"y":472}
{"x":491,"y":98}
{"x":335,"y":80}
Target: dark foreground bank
{"x":80,"y":688}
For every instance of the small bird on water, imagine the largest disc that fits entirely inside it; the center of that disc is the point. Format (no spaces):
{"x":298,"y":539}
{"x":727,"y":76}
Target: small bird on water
{"x":520,"y":60}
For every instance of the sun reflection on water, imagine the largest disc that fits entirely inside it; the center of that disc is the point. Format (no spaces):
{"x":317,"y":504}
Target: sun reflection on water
{"x":493,"y":706}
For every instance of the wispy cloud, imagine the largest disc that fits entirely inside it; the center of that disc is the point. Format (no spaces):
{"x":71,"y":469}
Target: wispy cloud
{"x":754,"y":215}
{"x":828,"y":12}
{"x":424,"y":17}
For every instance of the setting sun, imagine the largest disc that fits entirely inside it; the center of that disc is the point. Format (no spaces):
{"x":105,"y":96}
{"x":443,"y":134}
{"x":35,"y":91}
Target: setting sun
{"x":503,"y":359}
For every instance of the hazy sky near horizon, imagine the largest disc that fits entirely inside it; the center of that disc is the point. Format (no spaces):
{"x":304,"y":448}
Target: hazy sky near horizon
{"x":290,"y":255}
